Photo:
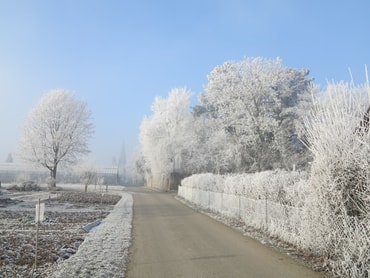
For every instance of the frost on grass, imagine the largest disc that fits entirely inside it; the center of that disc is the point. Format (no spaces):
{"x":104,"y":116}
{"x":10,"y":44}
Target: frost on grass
{"x":104,"y":253}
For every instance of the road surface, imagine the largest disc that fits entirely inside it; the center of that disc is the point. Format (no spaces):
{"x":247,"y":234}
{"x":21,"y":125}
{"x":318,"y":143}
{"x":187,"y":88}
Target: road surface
{"x":171,"y":240}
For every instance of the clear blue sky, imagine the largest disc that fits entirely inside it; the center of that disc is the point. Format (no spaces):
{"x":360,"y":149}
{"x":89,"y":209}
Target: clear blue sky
{"x":119,"y":55}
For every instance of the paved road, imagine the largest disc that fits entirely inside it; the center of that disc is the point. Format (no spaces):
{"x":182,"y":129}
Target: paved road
{"x":171,"y":240}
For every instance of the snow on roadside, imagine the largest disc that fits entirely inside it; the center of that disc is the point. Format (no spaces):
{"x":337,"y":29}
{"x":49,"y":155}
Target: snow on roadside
{"x":104,"y":252}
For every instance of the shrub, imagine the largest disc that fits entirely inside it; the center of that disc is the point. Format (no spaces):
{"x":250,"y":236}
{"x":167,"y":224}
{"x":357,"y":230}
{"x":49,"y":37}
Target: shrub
{"x":29,"y":186}
{"x":25,"y":186}
{"x":338,"y":207}
{"x":284,"y":187}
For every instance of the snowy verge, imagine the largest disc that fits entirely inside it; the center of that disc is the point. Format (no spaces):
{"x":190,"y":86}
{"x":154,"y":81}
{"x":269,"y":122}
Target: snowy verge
{"x":104,"y":252}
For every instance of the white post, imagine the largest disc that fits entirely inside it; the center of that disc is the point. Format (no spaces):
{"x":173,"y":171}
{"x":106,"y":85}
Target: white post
{"x":38,"y":217}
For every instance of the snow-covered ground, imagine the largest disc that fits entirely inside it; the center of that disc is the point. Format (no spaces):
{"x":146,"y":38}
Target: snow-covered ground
{"x":104,"y":252}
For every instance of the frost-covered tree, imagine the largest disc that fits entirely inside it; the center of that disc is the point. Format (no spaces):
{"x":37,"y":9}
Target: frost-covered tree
{"x":88,"y":173}
{"x":56,"y":132}
{"x":165,"y":137}
{"x":210,"y":151}
{"x":135,"y":168}
{"x":256,"y":102}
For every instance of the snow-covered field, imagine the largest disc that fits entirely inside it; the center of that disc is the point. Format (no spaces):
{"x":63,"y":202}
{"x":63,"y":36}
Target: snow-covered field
{"x":104,"y":252}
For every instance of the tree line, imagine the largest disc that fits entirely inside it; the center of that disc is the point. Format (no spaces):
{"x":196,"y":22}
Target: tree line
{"x":248,"y":120}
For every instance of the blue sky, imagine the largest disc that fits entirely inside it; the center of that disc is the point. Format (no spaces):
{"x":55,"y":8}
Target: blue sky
{"x":119,"y":55}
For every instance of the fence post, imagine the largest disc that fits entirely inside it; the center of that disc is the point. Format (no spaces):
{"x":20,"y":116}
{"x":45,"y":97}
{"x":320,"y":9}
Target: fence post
{"x":37,"y":219}
{"x":239,"y":213}
{"x":266,"y":211}
{"x":222,"y":202}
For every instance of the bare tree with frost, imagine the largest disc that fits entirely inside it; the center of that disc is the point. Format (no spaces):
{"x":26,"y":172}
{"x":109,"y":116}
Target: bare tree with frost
{"x":135,"y":168}
{"x":165,"y":135}
{"x":87,"y":170}
{"x":56,"y":132}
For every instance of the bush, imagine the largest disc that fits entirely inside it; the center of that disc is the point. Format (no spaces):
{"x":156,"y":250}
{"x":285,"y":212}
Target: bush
{"x":25,"y":186}
{"x":30,"y":186}
{"x":206,"y":182}
{"x":338,"y":208}
{"x":287,"y":188}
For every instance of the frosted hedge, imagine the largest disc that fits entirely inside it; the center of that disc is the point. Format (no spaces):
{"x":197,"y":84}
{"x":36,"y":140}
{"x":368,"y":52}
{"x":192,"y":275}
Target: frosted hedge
{"x":287,"y":188}
{"x":280,"y":203}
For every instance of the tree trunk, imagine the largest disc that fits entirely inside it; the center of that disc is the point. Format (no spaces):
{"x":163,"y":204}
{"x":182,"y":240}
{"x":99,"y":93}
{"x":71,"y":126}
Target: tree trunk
{"x":53,"y":177}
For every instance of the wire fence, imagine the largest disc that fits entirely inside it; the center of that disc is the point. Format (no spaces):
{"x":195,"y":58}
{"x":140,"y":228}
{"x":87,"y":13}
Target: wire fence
{"x":290,"y":212}
{"x":278,"y":220}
